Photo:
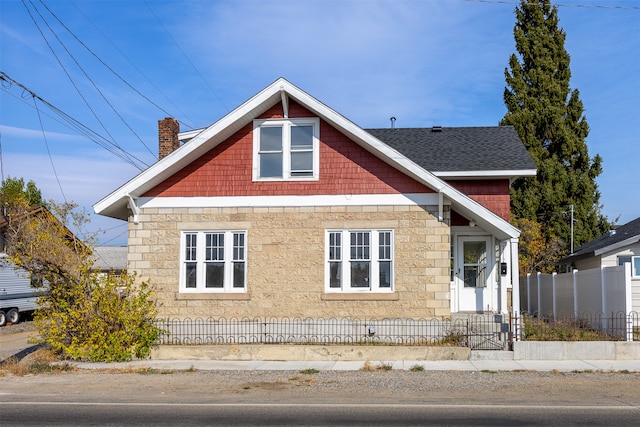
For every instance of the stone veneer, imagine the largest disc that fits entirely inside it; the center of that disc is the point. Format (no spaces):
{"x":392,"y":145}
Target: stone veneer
{"x":286,"y":261}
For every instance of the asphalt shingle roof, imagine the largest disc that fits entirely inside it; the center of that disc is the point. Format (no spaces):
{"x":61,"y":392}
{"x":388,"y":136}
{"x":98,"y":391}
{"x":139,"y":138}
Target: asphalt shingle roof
{"x":622,"y":233}
{"x":463,"y":149}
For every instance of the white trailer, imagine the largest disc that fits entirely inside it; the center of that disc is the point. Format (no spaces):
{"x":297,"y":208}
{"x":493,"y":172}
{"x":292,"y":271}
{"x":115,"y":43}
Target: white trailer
{"x":17,"y":296}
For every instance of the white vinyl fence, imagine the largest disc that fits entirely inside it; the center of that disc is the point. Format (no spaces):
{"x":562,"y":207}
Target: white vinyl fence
{"x":601,"y":293}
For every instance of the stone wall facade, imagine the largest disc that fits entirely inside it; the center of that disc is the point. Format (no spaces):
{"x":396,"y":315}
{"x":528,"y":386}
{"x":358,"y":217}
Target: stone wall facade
{"x":286,"y":261}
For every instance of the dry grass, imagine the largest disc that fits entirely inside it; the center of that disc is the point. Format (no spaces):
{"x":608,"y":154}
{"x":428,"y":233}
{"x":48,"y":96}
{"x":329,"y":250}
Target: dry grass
{"x":138,"y":370}
{"x":370,"y":367}
{"x":536,"y":329}
{"x":42,"y":361}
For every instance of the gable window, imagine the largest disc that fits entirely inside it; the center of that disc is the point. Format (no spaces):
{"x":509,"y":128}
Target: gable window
{"x":285,"y":149}
{"x":213,"y":261}
{"x":359,"y":260}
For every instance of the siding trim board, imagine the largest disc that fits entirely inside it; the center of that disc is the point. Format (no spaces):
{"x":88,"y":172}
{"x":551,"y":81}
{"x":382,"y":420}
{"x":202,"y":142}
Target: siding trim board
{"x":428,"y":199}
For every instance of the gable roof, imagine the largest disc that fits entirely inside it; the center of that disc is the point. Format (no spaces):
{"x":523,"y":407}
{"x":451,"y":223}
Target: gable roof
{"x":118,"y":203}
{"x":462,"y":152}
{"x":622,"y":236}
{"x":32,"y":211}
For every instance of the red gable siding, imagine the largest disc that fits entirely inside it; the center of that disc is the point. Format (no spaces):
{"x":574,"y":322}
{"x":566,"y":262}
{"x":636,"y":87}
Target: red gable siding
{"x":492,"y":194}
{"x":345,"y":168}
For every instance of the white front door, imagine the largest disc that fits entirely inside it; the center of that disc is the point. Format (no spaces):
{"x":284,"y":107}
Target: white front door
{"x":473,"y":274}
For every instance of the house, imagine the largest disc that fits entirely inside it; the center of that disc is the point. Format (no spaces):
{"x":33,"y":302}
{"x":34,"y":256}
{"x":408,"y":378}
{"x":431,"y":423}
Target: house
{"x":110,"y":259}
{"x":620,"y":245}
{"x":19,"y":291}
{"x":285,"y":208}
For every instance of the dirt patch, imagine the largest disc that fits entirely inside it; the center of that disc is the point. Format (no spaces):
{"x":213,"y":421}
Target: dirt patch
{"x":26,"y":326}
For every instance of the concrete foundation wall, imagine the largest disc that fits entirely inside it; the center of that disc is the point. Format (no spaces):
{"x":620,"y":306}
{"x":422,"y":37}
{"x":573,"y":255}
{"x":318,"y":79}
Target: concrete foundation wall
{"x":576,"y":350}
{"x":287,"y":352}
{"x":522,"y":350}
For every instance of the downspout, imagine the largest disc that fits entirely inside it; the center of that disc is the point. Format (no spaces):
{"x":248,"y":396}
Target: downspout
{"x":134,"y":208}
{"x":440,"y":206}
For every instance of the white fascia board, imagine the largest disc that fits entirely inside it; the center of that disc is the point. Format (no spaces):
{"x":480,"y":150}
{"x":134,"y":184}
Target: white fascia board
{"x":365,"y":139}
{"x":465,"y":205}
{"x":420,"y":199}
{"x":115,"y":204}
{"x":479,"y":174}
{"x":617,"y":245}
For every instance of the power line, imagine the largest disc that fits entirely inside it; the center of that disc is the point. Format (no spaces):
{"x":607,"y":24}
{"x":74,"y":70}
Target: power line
{"x":46,"y":143}
{"x":64,"y":69}
{"x":76,"y":125}
{"x":114,"y":238}
{"x":185,"y":55}
{"x":190,"y":125}
{"x":95,"y":86}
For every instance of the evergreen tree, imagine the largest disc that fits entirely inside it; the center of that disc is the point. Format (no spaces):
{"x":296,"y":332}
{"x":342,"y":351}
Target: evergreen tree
{"x":549,"y":118}
{"x":14,"y":192}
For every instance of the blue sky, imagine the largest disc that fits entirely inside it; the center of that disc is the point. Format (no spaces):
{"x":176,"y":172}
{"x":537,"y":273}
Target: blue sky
{"x":438,"y":62}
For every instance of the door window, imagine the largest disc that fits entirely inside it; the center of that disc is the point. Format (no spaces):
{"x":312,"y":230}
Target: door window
{"x":475,"y":264}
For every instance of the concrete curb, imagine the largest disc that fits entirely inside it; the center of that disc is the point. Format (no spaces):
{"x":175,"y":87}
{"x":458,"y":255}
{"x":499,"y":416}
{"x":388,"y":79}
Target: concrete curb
{"x":337,"y":365}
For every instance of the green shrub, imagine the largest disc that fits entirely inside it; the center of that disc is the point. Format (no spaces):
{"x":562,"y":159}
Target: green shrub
{"x":99,"y":317}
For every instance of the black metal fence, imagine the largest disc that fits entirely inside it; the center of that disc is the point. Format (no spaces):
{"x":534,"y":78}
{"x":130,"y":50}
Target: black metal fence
{"x":478,"y":332}
{"x":489,"y":332}
{"x":616,"y":326}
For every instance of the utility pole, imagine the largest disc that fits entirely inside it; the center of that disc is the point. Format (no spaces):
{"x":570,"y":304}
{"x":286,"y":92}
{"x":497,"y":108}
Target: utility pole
{"x":571,"y":209}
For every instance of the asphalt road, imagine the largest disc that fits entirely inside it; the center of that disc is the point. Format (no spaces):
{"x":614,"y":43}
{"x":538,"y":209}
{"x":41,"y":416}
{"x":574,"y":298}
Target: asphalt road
{"x":308,"y":414}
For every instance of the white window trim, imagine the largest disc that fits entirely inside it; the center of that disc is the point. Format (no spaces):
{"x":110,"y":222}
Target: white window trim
{"x":345,"y":260}
{"x":286,"y":148}
{"x":634,"y":259}
{"x":200,"y":262}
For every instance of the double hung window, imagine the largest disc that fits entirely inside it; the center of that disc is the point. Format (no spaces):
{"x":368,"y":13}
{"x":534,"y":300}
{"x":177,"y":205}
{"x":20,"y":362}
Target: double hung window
{"x":359,"y":260}
{"x":213,"y":261}
{"x":285,"y":149}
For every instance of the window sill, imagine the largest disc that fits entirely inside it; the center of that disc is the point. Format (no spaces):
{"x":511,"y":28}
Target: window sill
{"x":212,"y":296}
{"x":359,"y":296}
{"x":297,"y":179}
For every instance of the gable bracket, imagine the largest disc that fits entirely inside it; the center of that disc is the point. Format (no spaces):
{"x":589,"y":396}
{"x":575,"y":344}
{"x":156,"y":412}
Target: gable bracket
{"x":285,"y":103}
{"x":134,"y":208}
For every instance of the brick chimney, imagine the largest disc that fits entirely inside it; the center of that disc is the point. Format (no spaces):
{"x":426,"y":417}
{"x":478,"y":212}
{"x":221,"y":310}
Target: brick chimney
{"x":168,"y":142}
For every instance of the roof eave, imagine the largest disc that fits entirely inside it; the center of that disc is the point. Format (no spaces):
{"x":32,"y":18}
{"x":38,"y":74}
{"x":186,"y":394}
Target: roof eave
{"x":617,"y":245}
{"x":511,"y":174}
{"x":115,"y":204}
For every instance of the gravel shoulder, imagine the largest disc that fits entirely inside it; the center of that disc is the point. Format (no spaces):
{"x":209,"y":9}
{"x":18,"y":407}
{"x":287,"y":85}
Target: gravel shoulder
{"x":327,"y":386}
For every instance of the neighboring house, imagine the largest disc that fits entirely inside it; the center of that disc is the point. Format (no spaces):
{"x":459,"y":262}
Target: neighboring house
{"x":110,"y":259}
{"x":17,"y":296}
{"x":595,"y":282}
{"x":618,"y":246}
{"x":286,"y":208}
